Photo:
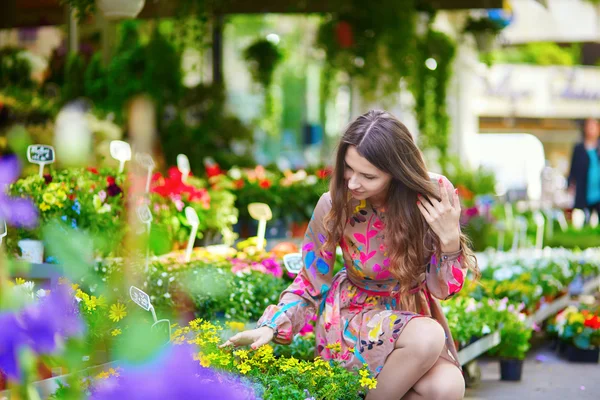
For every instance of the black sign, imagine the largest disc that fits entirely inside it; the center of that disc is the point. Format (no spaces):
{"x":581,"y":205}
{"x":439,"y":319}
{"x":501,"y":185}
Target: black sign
{"x":40,"y":154}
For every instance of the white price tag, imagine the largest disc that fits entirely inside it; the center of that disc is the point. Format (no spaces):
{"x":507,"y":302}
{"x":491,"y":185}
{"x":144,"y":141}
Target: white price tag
{"x":3,"y":230}
{"x":139,"y":297}
{"x":144,"y":214}
{"x":120,"y":151}
{"x":293,"y":262}
{"x":41,"y":154}
{"x":183,"y":164}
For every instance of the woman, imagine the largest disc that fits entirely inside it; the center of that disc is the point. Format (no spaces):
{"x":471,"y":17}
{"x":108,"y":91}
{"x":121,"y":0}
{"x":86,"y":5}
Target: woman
{"x":584,"y":178}
{"x":399,"y":231}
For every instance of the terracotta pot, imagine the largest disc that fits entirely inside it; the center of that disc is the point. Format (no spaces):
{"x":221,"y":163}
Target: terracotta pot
{"x":298,"y":229}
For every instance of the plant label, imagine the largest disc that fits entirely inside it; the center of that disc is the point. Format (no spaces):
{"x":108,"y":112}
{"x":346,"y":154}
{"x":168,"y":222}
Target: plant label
{"x":293,"y":262}
{"x":144,"y":214}
{"x":183,"y":164}
{"x":120,"y":151}
{"x":139,"y":297}
{"x":3,"y":230}
{"x":262,"y":213}
{"x":41,"y":154}
{"x":194,"y":221}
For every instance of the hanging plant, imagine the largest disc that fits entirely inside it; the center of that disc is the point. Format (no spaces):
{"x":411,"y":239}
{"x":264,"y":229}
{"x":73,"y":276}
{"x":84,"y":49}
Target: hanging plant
{"x":263,"y":57}
{"x":484,"y":30}
{"x":372,"y":42}
{"x":429,"y":84}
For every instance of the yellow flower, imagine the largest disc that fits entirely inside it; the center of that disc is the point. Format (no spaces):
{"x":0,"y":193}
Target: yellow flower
{"x":368,"y":383}
{"x":103,"y":375}
{"x":116,"y":332}
{"x":243,"y":354}
{"x":19,"y":281}
{"x":44,"y":207}
{"x":74,"y":287}
{"x":235,"y":326}
{"x":113,"y":372}
{"x":48,"y":198}
{"x":244,"y":368}
{"x":117,"y":312}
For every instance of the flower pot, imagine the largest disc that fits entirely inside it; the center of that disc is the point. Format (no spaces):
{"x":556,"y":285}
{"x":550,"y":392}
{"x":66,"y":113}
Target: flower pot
{"x":32,"y":251}
{"x":298,"y":229}
{"x":511,"y":370}
{"x":485,"y":41}
{"x":119,"y":9}
{"x":575,"y":354}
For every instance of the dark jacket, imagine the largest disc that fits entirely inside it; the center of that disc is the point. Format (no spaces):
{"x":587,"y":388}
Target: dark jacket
{"x":580,"y":164}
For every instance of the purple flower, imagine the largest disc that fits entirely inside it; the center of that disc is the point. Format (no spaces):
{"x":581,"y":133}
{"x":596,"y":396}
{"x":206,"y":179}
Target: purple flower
{"x":40,"y":326}
{"x":113,"y":190}
{"x":173,"y":375}
{"x":10,"y":341}
{"x":15,"y":211}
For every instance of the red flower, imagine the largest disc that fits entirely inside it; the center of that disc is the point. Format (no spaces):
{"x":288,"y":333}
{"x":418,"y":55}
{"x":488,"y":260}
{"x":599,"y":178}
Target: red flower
{"x":344,"y":34}
{"x":324,"y":173}
{"x":239,"y":184}
{"x":264,"y":183}
{"x":93,"y":170}
{"x":213,"y":170}
{"x":110,"y":180}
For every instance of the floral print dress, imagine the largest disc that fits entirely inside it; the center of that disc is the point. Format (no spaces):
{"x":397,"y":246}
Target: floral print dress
{"x":359,"y":315}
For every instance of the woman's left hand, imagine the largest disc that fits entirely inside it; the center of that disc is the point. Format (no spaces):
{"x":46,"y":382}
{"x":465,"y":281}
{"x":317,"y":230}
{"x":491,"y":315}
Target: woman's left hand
{"x":443,"y":216}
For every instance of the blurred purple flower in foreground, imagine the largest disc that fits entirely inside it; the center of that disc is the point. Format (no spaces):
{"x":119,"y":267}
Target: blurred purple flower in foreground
{"x":15,"y":211}
{"x":41,"y":327}
{"x":174,"y":375}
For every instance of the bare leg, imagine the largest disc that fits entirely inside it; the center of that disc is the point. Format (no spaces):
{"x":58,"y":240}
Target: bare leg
{"x":443,"y":381}
{"x":416,"y":351}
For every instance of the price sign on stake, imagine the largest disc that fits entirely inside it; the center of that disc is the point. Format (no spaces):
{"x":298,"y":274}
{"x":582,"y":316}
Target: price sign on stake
{"x":183,"y":163}
{"x":141,"y":298}
{"x":146,"y":161}
{"x":145,"y":216}
{"x":3,"y":231}
{"x":293,"y":262}
{"x":40,"y":154}
{"x":262,"y":213}
{"x":193,"y":220}
{"x":120,"y":151}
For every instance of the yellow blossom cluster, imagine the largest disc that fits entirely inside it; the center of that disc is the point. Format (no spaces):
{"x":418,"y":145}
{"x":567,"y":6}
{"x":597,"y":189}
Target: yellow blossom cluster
{"x":90,"y":302}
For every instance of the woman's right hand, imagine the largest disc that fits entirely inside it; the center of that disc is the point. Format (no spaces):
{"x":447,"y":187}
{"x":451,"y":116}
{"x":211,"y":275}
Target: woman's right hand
{"x":255,"y":338}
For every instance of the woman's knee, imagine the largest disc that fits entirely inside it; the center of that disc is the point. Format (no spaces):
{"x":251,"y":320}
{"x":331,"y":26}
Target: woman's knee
{"x":424,"y":337}
{"x":442,"y":383}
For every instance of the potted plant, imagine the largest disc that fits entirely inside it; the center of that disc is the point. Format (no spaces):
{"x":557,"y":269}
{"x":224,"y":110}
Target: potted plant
{"x":514,"y":346}
{"x":579,"y":330}
{"x":484,"y":30}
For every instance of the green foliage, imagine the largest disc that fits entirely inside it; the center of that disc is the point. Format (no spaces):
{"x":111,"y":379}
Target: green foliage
{"x":301,"y":348}
{"x":83,"y":7}
{"x":15,"y":70}
{"x":482,"y":25}
{"x":371,"y":41}
{"x":541,"y":53}
{"x":74,"y":78}
{"x":263,"y":57}
{"x":515,"y":335}
{"x":429,"y":88}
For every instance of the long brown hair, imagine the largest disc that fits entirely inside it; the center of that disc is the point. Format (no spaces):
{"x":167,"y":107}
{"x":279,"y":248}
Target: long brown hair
{"x":387,"y":144}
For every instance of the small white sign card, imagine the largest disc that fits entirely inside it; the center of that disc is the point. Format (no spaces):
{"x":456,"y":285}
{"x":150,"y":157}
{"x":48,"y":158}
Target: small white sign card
{"x":3,"y":231}
{"x":120,"y":151}
{"x":183,"y":164}
{"x":262,"y":213}
{"x":141,"y":298}
{"x":293,"y":262}
{"x":41,"y":154}
{"x":146,"y":161}
{"x":192,"y":217}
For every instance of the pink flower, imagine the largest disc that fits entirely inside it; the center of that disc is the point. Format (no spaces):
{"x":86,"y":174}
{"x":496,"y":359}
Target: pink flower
{"x":102,"y":195}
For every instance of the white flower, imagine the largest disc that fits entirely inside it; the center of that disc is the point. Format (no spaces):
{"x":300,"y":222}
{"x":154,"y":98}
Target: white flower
{"x":486,"y":330}
{"x":159,"y":282}
{"x":167,"y":295}
{"x":40,"y":293}
{"x":235,"y":173}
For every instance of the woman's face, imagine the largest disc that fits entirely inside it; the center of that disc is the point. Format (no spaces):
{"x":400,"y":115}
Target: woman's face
{"x":364,"y":180}
{"x":591,"y":129}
